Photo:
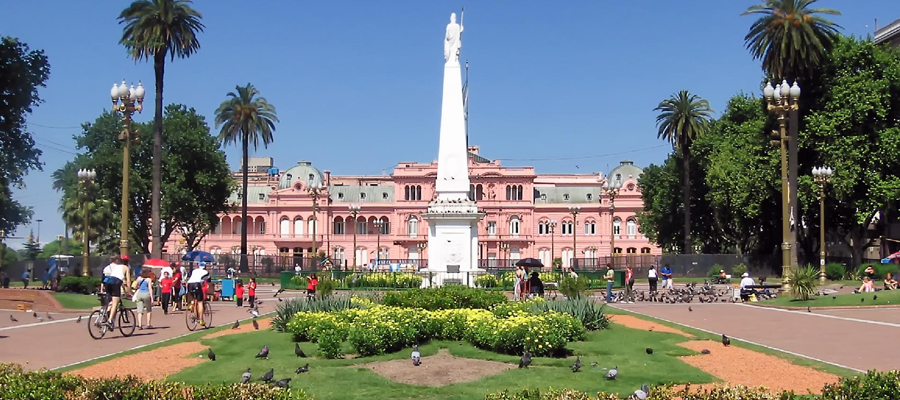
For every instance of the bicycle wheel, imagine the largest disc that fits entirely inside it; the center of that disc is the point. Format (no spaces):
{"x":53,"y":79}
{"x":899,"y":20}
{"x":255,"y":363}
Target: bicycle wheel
{"x":97,"y":326}
{"x":207,"y":314}
{"x":190,"y":318}
{"x":127,"y":322}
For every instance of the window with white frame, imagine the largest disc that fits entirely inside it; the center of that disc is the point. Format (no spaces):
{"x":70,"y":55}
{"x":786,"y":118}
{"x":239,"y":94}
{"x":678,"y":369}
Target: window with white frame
{"x":338,"y":257}
{"x":285,"y":227}
{"x":413,"y":227}
{"x":631,"y":227}
{"x":514,"y":225}
{"x":361,"y":227}
{"x":492,"y":228}
{"x":545,"y":256}
{"x":590,"y":227}
{"x":568,"y":228}
{"x":617,"y":226}
{"x":542,"y":228}
{"x":338,"y":226}
{"x":298,"y":226}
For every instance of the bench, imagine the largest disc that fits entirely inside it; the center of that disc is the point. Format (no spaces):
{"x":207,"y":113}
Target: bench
{"x":758,"y":287}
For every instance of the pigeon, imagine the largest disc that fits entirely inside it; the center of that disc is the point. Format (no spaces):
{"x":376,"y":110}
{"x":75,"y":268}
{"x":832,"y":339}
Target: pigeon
{"x":613,"y":373}
{"x":236,"y":325}
{"x":280,"y":299}
{"x":264,"y":353}
{"x":862,"y":300}
{"x":577,"y":365}
{"x":298,"y":351}
{"x":875,"y":297}
{"x":726,"y":341}
{"x":808,"y":309}
{"x":245,"y":377}
{"x":704,"y":351}
{"x":254,"y":313}
{"x":649,"y":351}
{"x":525,"y":361}
{"x":78,"y":321}
{"x":211,"y":354}
{"x":267,"y":377}
{"x":273,"y":283}
{"x":834,"y":297}
{"x":13,"y":319}
{"x":280,"y":291}
{"x":255,"y":325}
{"x":283,"y":383}
{"x":34,"y":314}
{"x":690,"y":309}
{"x":643,"y":393}
{"x":594,"y":364}
{"x":40,"y":319}
{"x":49,"y":317}
{"x":416,"y":356}
{"x":302,"y":369}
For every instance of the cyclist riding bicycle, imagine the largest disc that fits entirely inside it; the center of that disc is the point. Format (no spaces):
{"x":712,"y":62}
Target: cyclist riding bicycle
{"x":115,"y":275}
{"x":195,"y":288}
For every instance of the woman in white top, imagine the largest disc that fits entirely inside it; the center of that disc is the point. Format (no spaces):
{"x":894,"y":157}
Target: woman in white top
{"x":653,"y":278}
{"x":195,"y":288}
{"x":115,"y":275}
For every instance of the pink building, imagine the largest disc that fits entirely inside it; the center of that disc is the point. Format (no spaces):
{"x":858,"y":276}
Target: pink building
{"x":544,"y":216}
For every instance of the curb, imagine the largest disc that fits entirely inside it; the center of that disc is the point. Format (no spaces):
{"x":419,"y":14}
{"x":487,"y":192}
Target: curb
{"x":803,"y":308}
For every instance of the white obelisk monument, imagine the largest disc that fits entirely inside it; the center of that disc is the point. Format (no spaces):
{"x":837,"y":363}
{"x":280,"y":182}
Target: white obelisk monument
{"x":452,"y":217}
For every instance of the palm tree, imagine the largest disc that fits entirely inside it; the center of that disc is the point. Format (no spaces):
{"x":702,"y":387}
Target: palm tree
{"x":789,"y":38}
{"x":154,"y":29}
{"x":682,"y":118}
{"x":247,"y":119}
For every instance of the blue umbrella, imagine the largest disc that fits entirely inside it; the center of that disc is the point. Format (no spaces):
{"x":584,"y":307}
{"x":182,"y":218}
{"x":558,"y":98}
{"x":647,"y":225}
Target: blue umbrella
{"x":197,"y":256}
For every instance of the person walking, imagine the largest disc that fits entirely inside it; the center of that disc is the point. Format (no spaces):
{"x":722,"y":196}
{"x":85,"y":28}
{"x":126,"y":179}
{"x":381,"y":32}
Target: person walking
{"x":251,"y":293}
{"x":143,"y":298}
{"x":653,"y":278}
{"x":629,"y":284}
{"x":610,"y":278}
{"x":311,"y":287}
{"x":165,"y":288}
{"x":666,"y":273}
{"x":239,"y":293}
{"x":26,"y":276}
{"x":517,"y":289}
{"x":177,"y":288}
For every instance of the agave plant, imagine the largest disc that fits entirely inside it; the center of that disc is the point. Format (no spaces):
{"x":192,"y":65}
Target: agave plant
{"x":585,"y":310}
{"x":289,"y":308}
{"x":803,"y":282}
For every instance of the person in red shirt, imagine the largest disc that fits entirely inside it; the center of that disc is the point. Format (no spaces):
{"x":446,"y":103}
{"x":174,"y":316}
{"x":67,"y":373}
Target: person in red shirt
{"x":176,"y":289}
{"x":251,"y":292}
{"x":239,"y":293}
{"x":311,"y":286}
{"x":165,"y":287}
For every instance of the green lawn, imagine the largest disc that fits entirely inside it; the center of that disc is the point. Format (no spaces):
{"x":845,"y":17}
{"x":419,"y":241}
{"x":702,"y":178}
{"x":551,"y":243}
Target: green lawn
{"x":75,"y":301}
{"x":328,"y":379}
{"x":885,"y":297}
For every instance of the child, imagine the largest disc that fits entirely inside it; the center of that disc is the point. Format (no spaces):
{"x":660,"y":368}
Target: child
{"x":251,"y":292}
{"x":165,"y":287}
{"x":311,"y":286}
{"x":176,"y":288}
{"x":239,"y":293}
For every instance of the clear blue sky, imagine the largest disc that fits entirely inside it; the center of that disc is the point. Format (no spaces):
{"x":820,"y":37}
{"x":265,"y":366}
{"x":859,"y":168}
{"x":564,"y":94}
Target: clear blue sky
{"x":357,"y":83}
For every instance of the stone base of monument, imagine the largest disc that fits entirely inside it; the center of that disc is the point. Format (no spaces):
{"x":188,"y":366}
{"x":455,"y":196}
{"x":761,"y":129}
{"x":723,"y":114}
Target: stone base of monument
{"x":438,"y":278}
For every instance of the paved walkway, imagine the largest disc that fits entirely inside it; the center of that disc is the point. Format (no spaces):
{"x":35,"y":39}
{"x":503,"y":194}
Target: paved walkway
{"x":847,"y":338}
{"x":61,"y":342}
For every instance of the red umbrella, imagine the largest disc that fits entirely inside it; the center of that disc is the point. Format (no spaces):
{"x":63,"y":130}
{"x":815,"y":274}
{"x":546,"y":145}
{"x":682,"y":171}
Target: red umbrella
{"x":156,"y":262}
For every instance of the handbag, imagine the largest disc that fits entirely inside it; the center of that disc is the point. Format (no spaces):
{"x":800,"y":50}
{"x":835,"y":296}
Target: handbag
{"x":134,"y":285}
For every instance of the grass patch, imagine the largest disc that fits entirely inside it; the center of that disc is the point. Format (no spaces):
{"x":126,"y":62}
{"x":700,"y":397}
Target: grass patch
{"x":885,"y":297}
{"x":701,"y":335}
{"x":329,"y":378}
{"x":77,"y":301}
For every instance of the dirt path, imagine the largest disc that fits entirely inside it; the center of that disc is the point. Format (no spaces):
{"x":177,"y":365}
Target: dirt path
{"x":441,"y":369}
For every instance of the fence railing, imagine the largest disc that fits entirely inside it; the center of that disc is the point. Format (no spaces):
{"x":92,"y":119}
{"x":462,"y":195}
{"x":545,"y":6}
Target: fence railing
{"x":383,"y":280}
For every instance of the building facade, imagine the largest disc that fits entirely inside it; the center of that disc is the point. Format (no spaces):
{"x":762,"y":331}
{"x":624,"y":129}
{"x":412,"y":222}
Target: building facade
{"x":889,"y":34}
{"x":544,"y":216}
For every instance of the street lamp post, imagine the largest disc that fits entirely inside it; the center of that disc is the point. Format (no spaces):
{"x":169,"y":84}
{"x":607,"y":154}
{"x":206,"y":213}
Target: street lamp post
{"x":822,"y":175}
{"x":574,"y":210}
{"x":354,"y":211}
{"x":552,"y":226}
{"x":504,"y":249}
{"x":86,"y":177}
{"x":315,"y":190}
{"x":378,"y":224}
{"x":126,"y":101}
{"x":612,"y":190}
{"x":421,"y":247}
{"x":39,"y":231}
{"x":782,"y":99}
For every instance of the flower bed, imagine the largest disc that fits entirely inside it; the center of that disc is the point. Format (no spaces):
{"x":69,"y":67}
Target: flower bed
{"x":444,"y":298}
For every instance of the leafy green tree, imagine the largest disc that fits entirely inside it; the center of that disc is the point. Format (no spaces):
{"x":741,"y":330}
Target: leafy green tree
{"x":790,"y":38}
{"x":8,"y":255}
{"x":76,"y":248}
{"x":247,"y":119}
{"x":76,"y":196}
{"x":154,"y":29}
{"x":196,"y":181}
{"x":22,"y":72}
{"x":682,"y":118}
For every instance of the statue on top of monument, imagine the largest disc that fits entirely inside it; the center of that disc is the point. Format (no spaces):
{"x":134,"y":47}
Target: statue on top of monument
{"x":452,"y":40}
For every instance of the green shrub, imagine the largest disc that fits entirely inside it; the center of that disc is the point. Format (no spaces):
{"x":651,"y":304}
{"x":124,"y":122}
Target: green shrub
{"x":392,"y":280}
{"x":330,"y":343}
{"x":288,"y":308}
{"x":871,"y":386}
{"x":737,"y":270}
{"x":78,"y":284}
{"x":325,"y":287}
{"x":486,"y":281}
{"x":881,"y":270}
{"x":803,"y":282}
{"x":835,"y":271}
{"x":444,"y":298}
{"x":714,"y":270}
{"x":574,"y":288}
{"x":589,"y":312}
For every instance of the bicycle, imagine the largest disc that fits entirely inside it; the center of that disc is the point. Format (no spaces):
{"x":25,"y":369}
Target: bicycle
{"x":98,"y":322}
{"x":191,"y":318}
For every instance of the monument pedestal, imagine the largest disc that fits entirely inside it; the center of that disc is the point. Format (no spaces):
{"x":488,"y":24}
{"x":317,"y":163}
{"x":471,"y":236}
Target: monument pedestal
{"x":452,"y":239}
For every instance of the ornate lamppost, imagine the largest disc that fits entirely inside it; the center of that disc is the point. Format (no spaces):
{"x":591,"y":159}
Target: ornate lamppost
{"x":354,"y":211}
{"x":126,"y":101}
{"x":315,"y":190}
{"x":552,"y":226}
{"x":574,"y":210}
{"x":86,"y":178}
{"x":822,"y":175}
{"x":782,"y":99}
{"x":378,"y":224}
{"x":612,"y":190}
{"x":504,"y":249}
{"x":421,"y":247}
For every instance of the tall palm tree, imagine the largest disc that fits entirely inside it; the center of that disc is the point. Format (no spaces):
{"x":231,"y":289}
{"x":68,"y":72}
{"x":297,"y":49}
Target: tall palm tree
{"x":682,"y":118}
{"x":789,"y":38}
{"x":248,"y":119}
{"x":154,"y":29}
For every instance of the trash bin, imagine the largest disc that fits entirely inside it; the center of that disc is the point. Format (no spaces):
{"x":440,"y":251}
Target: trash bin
{"x":285,"y":278}
{"x":619,"y":278}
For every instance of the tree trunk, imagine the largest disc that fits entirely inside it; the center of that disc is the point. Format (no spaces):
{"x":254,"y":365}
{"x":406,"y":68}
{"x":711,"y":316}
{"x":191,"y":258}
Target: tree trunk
{"x":243,"y":265}
{"x":793,"y":161}
{"x":686,"y":159}
{"x":159,"y":66}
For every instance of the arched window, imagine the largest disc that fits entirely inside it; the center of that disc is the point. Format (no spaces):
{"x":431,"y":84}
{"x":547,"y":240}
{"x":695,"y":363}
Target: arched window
{"x":479,"y":192}
{"x":568,"y":227}
{"x":471,"y":191}
{"x":617,"y":226}
{"x":590,"y":253}
{"x":236,"y":224}
{"x":645,"y":250}
{"x":406,"y":193}
{"x":298,"y":226}
{"x":361,"y":227}
{"x":567,"y":255}
{"x":338,"y":256}
{"x":542,"y":228}
{"x":384,"y":254}
{"x":631,"y":227}
{"x":218,"y":230}
{"x":284,"y":227}
{"x":261,"y":225}
{"x":514,"y":225}
{"x":520,"y":194}
{"x":313,"y":226}
{"x":545,"y":257}
{"x":632,"y":250}
{"x":338,"y":226}
{"x":412,"y":226}
{"x":508,"y":192}
{"x":590,"y":227}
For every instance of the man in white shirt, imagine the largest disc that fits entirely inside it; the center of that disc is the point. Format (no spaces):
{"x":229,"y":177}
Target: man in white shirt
{"x":195,"y":288}
{"x":746,"y":280}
